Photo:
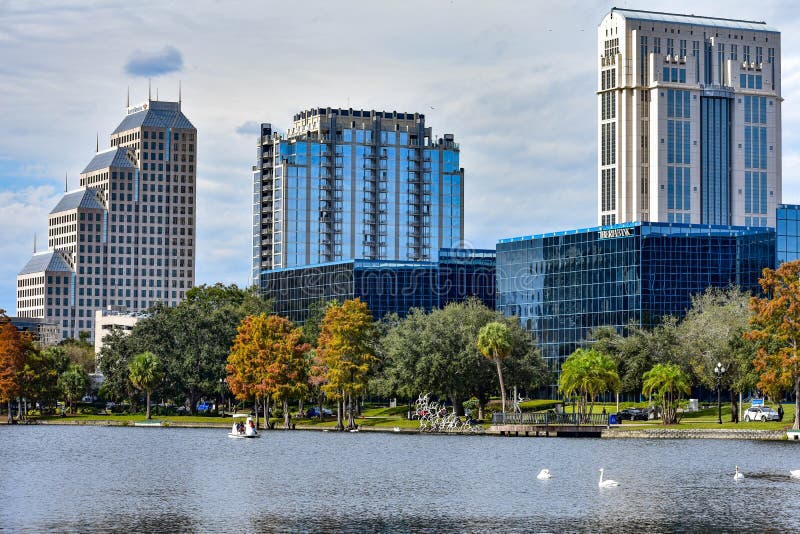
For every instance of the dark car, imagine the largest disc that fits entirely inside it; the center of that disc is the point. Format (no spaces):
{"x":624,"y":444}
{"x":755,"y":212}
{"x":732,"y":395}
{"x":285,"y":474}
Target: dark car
{"x":632,"y":414}
{"x":314,"y":412}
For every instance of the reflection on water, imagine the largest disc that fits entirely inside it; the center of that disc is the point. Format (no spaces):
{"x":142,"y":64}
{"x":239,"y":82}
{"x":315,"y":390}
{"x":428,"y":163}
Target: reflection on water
{"x":197,"y":480}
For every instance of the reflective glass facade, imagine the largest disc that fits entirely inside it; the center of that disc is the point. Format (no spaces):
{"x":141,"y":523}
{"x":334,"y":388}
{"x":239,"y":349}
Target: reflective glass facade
{"x":353,"y":184}
{"x":788,"y":230}
{"x":563,"y":285}
{"x":386,"y":286}
{"x":715,"y":143}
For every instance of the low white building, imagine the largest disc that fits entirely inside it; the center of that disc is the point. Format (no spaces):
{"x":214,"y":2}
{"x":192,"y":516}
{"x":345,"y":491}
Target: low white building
{"x":109,"y":319}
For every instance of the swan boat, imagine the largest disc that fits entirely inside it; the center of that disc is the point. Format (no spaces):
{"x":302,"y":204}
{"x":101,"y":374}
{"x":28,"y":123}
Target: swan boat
{"x":243,"y":430}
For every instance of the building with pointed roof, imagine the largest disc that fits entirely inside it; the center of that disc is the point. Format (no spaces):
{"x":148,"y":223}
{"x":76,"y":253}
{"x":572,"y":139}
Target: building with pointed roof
{"x":126,"y":238}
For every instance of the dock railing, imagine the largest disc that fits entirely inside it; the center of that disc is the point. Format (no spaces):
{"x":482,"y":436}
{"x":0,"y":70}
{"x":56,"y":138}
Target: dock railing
{"x":549,"y":419}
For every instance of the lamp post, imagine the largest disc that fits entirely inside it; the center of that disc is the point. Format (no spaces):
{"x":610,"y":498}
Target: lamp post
{"x":719,"y":370}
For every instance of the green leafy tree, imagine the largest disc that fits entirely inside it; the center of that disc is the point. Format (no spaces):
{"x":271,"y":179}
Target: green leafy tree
{"x":588,"y":373}
{"x":775,"y":327}
{"x":115,"y":358}
{"x":667,"y":382}
{"x":494,"y":342}
{"x":346,"y":352}
{"x":146,"y":373}
{"x":195,"y":337}
{"x":73,"y":384}
{"x":711,"y":332}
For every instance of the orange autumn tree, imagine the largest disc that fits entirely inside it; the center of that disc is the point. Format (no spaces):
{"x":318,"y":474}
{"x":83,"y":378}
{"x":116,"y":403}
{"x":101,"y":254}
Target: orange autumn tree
{"x":268,"y":360}
{"x":776,"y":329}
{"x":14,"y":348}
{"x":345,"y":354}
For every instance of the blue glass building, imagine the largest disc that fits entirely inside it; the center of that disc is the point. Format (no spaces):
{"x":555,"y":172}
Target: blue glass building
{"x":387,"y":286}
{"x":562,"y":285}
{"x":348,"y":184}
{"x":788,"y":230}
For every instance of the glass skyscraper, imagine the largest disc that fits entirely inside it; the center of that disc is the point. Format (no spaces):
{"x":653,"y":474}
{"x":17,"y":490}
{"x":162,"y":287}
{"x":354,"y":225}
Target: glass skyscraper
{"x":346,"y":184}
{"x":689,"y":119}
{"x":562,"y":285}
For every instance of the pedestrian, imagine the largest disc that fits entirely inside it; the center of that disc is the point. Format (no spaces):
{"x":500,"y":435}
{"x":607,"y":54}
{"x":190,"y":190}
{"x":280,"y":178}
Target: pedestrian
{"x":780,"y":412}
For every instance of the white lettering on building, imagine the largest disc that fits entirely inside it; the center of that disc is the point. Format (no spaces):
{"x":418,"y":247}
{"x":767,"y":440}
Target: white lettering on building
{"x":616,"y":232}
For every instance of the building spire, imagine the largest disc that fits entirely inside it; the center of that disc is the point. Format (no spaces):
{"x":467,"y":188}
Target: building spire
{"x":129,"y":98}
{"x":149,"y":89}
{"x":97,"y":142}
{"x":156,"y":93}
{"x":34,"y":242}
{"x":179,"y":91}
{"x":66,"y":182}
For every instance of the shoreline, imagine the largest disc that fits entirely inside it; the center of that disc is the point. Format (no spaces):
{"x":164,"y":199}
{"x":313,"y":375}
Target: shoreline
{"x":609,"y":433}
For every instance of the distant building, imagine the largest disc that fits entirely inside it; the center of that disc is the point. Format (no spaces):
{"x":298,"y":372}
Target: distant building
{"x":348,"y":184}
{"x":689,"y":119}
{"x":562,"y":285}
{"x":386,"y":286}
{"x":46,"y":333}
{"x":115,"y":319}
{"x":126,"y":238}
{"x":788,"y":233}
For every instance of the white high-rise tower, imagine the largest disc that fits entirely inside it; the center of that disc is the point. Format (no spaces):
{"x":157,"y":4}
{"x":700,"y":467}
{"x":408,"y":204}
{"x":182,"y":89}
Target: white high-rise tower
{"x":689,"y":119}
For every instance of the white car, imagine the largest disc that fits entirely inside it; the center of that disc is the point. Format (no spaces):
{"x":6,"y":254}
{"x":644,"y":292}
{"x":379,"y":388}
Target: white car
{"x":761,"y":413}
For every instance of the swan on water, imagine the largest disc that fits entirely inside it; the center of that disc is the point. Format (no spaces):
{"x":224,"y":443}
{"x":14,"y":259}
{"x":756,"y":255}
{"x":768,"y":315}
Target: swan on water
{"x":738,"y":475}
{"x":396,"y":429}
{"x":606,"y":483}
{"x":544,"y":474}
{"x":795,"y":473}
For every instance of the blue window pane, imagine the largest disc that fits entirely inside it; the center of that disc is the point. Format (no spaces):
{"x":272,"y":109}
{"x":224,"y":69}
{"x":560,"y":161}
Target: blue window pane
{"x":686,"y":189}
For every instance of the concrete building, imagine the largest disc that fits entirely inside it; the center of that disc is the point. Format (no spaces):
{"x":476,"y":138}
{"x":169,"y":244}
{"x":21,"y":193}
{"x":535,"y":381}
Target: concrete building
{"x":46,"y":333}
{"x":126,"y":238}
{"x":105,"y":321}
{"x":348,"y":184}
{"x":689,"y":119}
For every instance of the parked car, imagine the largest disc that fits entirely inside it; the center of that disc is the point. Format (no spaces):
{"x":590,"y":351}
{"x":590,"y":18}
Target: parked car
{"x":314,"y":412}
{"x":204,"y":407}
{"x":632,"y":414}
{"x":761,"y":413}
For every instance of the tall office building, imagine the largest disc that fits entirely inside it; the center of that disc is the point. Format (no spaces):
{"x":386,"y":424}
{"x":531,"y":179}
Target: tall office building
{"x":351,"y":184}
{"x":126,"y":238}
{"x":689,"y":119}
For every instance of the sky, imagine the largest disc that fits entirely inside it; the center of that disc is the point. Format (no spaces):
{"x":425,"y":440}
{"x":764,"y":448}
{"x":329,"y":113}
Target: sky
{"x":513,"y":81}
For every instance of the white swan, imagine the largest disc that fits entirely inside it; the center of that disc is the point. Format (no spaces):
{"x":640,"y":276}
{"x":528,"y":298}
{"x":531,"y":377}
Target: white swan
{"x":738,"y":475}
{"x":795,"y":473}
{"x":396,"y":429}
{"x":544,"y":474}
{"x":606,"y":483}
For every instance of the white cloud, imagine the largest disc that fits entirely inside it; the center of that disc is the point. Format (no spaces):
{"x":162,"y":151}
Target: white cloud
{"x":514,"y":82}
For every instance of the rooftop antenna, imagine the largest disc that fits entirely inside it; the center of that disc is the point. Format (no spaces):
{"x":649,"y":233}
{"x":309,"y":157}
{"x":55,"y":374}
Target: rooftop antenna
{"x":97,"y":142}
{"x":156,"y":93}
{"x":129,"y":97}
{"x":65,"y":182}
{"x":149,"y":88}
{"x":179,"y":91}
{"x":34,"y":242}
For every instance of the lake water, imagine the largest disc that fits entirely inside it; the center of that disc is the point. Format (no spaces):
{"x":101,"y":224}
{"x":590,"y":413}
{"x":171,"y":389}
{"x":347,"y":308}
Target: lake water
{"x":96,"y":479}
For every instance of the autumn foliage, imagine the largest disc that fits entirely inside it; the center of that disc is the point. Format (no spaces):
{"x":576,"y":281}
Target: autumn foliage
{"x":776,"y":329}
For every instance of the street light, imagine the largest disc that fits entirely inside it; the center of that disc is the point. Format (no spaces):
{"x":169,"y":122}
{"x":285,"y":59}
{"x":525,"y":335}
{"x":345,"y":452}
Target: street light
{"x":719,"y":370}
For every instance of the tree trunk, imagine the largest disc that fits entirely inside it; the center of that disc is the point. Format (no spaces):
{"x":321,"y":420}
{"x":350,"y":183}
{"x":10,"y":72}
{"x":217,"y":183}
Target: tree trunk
{"x":796,"y":425}
{"x":255,"y":408}
{"x":502,"y":384}
{"x":287,"y":423}
{"x":147,"y":394}
{"x":10,"y":413}
{"x":350,"y":415}
{"x":734,"y":408}
{"x":266,"y":412}
{"x":339,"y":409}
{"x":480,"y":410}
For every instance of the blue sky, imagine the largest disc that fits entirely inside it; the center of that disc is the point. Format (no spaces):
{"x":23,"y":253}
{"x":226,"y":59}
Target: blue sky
{"x":514,"y":82}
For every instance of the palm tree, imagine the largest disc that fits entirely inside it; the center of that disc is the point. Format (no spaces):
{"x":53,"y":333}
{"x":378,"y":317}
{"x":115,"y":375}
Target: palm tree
{"x":494,"y":342}
{"x":146,"y":373}
{"x":668,"y":382}
{"x":588,"y":373}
